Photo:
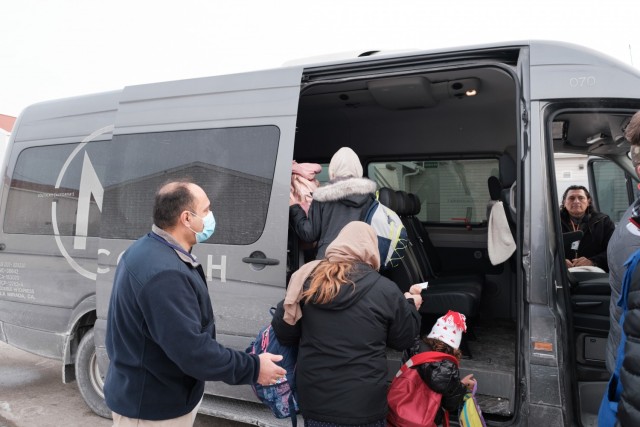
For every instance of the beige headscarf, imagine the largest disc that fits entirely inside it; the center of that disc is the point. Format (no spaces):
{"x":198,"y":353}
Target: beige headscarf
{"x":356,"y":242}
{"x":345,"y":163}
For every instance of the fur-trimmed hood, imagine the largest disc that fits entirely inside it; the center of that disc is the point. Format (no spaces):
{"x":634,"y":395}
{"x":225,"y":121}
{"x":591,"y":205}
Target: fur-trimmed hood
{"x":344,"y":188}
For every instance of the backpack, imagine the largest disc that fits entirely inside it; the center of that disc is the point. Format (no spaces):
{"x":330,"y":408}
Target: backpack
{"x":411,"y":402}
{"x":392,"y":236}
{"x":281,"y":397}
{"x":470,"y":414}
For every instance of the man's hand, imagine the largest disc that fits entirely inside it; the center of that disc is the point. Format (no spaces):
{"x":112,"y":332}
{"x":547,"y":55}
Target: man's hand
{"x":270,"y":373}
{"x":417,"y":299}
{"x":581,"y":262}
{"x":469,"y":382}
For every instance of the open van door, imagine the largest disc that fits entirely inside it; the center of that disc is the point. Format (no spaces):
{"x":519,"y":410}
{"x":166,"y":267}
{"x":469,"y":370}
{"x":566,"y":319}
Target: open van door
{"x":594,"y":135}
{"x":232,"y":135}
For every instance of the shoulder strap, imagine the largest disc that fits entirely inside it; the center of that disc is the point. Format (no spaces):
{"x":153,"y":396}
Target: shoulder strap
{"x":426,"y":357}
{"x":370,"y":211}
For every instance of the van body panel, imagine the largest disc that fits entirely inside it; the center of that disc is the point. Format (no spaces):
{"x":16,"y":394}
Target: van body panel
{"x":40,"y":287}
{"x":241,"y":291}
{"x":189,"y":104}
{"x":566,"y":71}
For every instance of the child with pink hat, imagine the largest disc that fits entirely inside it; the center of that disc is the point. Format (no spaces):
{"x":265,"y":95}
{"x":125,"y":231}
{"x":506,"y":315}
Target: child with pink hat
{"x":444,"y":376}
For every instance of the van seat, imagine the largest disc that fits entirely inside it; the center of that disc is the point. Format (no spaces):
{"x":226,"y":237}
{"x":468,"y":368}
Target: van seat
{"x":453,"y":292}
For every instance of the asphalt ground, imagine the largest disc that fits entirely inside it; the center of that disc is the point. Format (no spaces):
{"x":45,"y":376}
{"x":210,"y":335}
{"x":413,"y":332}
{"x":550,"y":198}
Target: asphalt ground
{"x":32,"y":395}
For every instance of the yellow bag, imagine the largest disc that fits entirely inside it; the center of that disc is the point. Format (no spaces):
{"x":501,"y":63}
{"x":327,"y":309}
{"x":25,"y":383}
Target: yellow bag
{"x":470,"y":415}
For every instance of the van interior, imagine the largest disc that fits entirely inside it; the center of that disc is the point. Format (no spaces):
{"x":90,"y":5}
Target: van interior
{"x":442,"y":146}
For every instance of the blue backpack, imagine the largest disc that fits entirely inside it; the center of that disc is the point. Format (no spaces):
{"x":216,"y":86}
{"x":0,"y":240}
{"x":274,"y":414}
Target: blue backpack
{"x":281,"y":397}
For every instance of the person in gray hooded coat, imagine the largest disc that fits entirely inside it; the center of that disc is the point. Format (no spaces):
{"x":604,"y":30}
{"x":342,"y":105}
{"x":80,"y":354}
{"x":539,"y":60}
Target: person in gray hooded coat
{"x":345,"y":198}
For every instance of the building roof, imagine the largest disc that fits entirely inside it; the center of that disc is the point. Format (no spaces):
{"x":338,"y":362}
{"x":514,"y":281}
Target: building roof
{"x":6,"y":122}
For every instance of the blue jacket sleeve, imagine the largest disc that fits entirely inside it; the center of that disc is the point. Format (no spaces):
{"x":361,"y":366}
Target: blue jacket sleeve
{"x":175,"y":307}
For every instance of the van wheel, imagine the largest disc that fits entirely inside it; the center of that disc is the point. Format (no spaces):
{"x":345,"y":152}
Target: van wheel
{"x":90,"y":380}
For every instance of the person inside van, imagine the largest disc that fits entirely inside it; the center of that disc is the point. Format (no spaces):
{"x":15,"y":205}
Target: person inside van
{"x":345,"y":198}
{"x":343,"y":314}
{"x":578,"y":214}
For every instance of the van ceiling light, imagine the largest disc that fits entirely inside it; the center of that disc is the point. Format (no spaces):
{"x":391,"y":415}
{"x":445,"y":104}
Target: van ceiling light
{"x":463,"y":87}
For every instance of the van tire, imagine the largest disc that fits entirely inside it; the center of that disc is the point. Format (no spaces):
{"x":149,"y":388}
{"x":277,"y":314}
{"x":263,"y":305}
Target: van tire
{"x":90,"y":380}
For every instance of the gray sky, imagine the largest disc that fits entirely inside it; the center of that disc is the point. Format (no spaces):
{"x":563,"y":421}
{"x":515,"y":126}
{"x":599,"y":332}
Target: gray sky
{"x":53,"y":49}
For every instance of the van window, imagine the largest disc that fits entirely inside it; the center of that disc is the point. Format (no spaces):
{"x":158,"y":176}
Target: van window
{"x":234,"y":166}
{"x":34,"y":188}
{"x":613,"y":199}
{"x":450,"y":191}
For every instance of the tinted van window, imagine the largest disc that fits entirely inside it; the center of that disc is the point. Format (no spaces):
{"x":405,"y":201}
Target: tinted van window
{"x":45,"y":186}
{"x":235,"y":167}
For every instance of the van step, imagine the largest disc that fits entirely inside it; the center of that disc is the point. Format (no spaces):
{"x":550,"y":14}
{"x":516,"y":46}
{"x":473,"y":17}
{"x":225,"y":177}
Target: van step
{"x":242,"y":411}
{"x":494,"y":405}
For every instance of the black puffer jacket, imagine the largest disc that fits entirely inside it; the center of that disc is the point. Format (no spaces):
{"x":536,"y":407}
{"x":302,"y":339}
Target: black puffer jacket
{"x":623,"y":244}
{"x":442,"y":377}
{"x":342,"y":367}
{"x":334,"y":205}
{"x":629,"y":407}
{"x":597,"y":228}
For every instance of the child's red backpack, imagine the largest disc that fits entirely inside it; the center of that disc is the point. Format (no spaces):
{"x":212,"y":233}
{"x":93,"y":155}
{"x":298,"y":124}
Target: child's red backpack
{"x":411,"y":402}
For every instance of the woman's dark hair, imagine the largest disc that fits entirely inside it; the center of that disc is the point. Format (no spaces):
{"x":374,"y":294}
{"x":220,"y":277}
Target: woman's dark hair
{"x":437,"y":345}
{"x":590,"y":208}
{"x":171,"y":200}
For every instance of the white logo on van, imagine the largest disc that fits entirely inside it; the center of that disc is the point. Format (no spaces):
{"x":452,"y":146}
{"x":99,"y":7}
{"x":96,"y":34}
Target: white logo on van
{"x":89,"y":185}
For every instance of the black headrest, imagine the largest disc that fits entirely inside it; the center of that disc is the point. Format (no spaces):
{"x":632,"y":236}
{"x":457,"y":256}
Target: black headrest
{"x":414,"y":204}
{"x":403,"y":204}
{"x":495,"y":187}
{"x":387,"y":197}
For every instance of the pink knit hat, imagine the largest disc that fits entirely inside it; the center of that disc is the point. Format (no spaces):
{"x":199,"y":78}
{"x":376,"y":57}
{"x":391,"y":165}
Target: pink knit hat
{"x":449,"y":328}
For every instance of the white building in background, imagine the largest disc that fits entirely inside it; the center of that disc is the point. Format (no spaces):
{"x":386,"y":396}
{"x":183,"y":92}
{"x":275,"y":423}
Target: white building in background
{"x":6,"y":125}
{"x":571,"y":169}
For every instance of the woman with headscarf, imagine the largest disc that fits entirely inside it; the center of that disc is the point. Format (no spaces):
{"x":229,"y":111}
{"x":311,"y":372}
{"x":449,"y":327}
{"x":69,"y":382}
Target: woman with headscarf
{"x":345,"y":198}
{"x":343,"y":314}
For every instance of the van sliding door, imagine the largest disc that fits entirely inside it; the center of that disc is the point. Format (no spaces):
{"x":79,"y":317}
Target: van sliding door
{"x":233,"y":136}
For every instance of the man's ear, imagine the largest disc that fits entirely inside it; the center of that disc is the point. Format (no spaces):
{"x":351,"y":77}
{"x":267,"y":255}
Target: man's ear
{"x":185,"y":217}
{"x":638,"y":170}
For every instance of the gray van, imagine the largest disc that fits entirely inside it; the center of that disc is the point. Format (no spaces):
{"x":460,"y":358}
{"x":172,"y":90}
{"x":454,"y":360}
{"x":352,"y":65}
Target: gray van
{"x":445,"y":133}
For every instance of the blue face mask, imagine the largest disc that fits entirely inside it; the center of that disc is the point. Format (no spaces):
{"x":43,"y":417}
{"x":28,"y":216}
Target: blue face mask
{"x":209,"y":225}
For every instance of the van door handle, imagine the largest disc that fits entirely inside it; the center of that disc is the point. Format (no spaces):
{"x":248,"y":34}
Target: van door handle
{"x":584,"y":304}
{"x":260,"y":258}
{"x":262,"y":261}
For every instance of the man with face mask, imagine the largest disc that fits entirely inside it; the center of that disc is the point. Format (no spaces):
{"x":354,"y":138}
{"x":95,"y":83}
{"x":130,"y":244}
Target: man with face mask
{"x":160,"y":327}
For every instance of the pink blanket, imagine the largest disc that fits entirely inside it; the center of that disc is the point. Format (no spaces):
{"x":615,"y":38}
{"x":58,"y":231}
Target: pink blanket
{"x":303,"y":183}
